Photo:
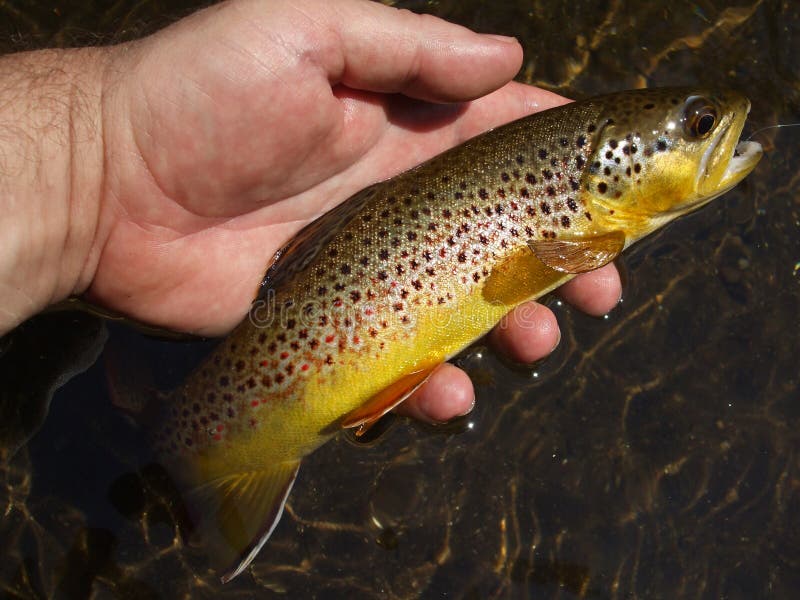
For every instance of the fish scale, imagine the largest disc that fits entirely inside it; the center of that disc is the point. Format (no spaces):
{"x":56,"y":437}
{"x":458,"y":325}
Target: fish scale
{"x":360,"y":307}
{"x":411,"y":246}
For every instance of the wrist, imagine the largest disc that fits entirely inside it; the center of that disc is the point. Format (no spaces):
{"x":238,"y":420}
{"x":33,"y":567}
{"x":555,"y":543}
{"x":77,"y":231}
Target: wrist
{"x":51,"y":173}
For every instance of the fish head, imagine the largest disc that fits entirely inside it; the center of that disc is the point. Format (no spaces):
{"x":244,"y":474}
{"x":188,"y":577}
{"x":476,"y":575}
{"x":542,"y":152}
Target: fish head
{"x":662,"y":153}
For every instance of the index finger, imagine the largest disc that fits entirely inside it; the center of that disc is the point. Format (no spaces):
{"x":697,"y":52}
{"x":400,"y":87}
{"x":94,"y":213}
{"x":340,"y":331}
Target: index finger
{"x":373,"y":47}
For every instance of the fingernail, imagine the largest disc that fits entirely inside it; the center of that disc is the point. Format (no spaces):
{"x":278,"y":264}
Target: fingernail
{"x":558,"y":340}
{"x":469,"y":410}
{"x":506,"y":39}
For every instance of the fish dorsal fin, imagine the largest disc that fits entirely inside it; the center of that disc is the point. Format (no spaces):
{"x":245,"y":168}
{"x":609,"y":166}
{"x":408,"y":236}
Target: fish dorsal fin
{"x":296,"y":255}
{"x":366,"y":415}
{"x":579,"y":254}
{"x":237,"y":513}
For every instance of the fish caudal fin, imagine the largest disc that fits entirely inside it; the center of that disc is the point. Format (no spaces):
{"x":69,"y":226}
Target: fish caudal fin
{"x":239,"y":512}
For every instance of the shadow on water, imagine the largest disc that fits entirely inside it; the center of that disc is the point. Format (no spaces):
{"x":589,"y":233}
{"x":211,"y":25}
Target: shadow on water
{"x":655,"y":454}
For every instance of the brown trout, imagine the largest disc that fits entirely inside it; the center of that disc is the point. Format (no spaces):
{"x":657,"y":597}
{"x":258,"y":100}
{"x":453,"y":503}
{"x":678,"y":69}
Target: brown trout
{"x":364,"y":303}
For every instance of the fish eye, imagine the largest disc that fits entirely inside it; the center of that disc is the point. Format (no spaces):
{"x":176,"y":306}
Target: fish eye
{"x":699,"y":117}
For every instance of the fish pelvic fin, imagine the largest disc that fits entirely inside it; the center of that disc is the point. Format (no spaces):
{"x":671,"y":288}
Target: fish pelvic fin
{"x":366,"y":415}
{"x":237,"y":513}
{"x":579,"y":254}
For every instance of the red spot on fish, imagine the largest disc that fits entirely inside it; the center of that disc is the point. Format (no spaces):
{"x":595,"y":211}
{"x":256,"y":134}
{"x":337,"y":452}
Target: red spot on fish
{"x":356,"y":340}
{"x":329,"y":339}
{"x":217,"y":437}
{"x":254,"y":403}
{"x":263,"y":363}
{"x":304,"y":367}
{"x":284,"y":355}
{"x":220,"y":428}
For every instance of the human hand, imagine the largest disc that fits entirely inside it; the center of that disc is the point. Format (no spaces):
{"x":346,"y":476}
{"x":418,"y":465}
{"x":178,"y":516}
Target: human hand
{"x":226,"y":133}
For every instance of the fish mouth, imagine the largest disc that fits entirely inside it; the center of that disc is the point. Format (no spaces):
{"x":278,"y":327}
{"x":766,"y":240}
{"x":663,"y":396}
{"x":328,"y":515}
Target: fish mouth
{"x":745,"y":156}
{"x":727,"y":160}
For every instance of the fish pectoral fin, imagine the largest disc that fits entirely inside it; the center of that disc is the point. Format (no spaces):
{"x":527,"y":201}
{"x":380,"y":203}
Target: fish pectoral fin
{"x":236,"y":514}
{"x":579,"y":254}
{"x":366,"y":415}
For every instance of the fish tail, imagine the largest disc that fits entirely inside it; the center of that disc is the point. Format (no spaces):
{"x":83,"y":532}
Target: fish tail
{"x":235,"y":514}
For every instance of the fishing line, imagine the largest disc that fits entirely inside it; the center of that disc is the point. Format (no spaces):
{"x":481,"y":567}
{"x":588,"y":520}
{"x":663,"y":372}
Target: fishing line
{"x":757,"y":131}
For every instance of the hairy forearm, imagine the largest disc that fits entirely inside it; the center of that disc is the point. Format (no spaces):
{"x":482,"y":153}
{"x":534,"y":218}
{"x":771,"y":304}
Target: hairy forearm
{"x":50,"y":176}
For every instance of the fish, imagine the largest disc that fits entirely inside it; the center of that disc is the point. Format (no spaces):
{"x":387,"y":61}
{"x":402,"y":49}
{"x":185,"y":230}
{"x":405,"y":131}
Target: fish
{"x":361,"y":306}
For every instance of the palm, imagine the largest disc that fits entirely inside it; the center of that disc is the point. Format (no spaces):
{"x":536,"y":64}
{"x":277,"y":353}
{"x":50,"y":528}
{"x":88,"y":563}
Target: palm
{"x":236,"y":158}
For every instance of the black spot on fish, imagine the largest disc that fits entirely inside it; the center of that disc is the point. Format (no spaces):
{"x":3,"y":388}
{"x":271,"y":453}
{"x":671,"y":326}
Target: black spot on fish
{"x":602,"y":187}
{"x":542,"y":153}
{"x":565,"y":221}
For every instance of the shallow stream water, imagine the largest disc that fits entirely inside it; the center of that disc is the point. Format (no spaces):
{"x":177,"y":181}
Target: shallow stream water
{"x":655,"y":454}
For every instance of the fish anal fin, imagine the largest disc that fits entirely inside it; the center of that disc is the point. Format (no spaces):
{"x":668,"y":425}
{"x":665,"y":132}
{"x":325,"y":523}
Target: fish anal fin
{"x":579,"y":254}
{"x":366,"y":415}
{"x":237,"y":513}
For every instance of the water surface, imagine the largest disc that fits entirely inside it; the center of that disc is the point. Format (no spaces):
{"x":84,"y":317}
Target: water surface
{"x":655,"y":454}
